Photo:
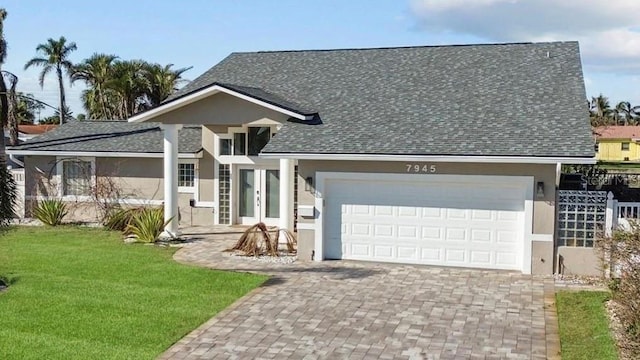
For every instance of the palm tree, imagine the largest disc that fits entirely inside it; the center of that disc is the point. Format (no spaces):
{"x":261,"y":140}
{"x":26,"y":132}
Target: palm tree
{"x":600,"y":111}
{"x":54,"y":56}
{"x":628,"y":113}
{"x":129,"y":86}
{"x":161,"y":81}
{"x":97,"y":73}
{"x":12,"y":119}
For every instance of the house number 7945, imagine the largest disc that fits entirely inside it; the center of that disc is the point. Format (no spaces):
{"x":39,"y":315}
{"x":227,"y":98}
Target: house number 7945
{"x":421,"y":169}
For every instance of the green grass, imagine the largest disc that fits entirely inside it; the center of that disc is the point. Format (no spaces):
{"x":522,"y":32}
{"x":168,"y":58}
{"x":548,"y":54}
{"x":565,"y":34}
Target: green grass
{"x":79,"y":293}
{"x":584,"y":326}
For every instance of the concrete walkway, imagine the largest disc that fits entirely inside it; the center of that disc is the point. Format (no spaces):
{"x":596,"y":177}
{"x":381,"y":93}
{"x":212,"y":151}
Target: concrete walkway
{"x":356,"y":310}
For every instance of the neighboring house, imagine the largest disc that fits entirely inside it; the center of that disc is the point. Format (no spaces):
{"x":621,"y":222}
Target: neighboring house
{"x":618,"y":143}
{"x":439,"y":155}
{"x":28,"y":131}
{"x":25,"y":132}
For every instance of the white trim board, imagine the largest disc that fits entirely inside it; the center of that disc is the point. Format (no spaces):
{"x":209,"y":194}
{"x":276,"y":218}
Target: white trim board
{"x":201,"y":94}
{"x":433,"y":158}
{"x":525,"y":182}
{"x":89,"y":200}
{"x":197,"y":155}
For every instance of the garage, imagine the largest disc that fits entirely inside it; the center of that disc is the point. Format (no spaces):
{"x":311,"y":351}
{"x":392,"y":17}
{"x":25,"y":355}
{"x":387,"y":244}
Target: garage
{"x":446,"y":220}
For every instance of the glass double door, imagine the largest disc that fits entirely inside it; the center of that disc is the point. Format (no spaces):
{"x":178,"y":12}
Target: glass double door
{"x":258,"y":196}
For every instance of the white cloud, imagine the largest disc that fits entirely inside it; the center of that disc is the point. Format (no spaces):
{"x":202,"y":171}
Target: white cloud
{"x":608,"y":31}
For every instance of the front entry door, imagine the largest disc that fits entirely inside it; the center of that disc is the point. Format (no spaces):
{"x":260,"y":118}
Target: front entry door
{"x":258,"y":196}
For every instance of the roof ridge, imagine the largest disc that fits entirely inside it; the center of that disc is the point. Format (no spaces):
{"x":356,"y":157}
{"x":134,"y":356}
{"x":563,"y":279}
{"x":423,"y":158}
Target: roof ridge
{"x":408,"y":47}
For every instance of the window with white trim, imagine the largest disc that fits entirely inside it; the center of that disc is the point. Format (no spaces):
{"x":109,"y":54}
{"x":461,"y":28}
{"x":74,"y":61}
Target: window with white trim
{"x":76,"y":176}
{"x":249,"y":142}
{"x":187,"y":176}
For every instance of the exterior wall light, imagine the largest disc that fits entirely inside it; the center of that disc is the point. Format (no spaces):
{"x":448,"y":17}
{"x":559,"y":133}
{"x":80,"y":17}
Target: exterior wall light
{"x":540,"y":189}
{"x":308,"y":184}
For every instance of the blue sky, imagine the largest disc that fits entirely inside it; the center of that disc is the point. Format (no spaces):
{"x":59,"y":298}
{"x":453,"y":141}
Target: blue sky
{"x":200,"y":33}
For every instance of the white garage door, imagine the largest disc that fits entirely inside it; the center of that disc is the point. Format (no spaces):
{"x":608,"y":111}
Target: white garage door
{"x":467,"y":221}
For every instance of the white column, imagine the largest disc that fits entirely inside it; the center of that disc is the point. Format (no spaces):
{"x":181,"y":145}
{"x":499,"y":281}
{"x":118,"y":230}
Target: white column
{"x":610,"y":215}
{"x":286,"y":193}
{"x":171,"y":179}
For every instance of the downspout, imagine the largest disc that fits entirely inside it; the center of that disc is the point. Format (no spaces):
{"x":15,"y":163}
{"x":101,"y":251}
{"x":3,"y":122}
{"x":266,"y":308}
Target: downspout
{"x":558,"y":265}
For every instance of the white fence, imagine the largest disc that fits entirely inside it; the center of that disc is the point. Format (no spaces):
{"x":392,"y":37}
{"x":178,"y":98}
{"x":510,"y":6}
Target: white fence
{"x":628,"y":210}
{"x":18,"y":176}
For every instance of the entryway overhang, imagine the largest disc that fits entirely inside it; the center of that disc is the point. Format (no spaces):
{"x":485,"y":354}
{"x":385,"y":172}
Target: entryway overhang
{"x":171,"y":125}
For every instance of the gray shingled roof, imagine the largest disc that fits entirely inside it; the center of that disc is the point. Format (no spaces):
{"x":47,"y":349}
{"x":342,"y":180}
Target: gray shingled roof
{"x":111,"y":136}
{"x":501,"y":99}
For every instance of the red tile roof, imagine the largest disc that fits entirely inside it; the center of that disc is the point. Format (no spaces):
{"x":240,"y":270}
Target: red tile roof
{"x":617,"y":132}
{"x":35,"y":129}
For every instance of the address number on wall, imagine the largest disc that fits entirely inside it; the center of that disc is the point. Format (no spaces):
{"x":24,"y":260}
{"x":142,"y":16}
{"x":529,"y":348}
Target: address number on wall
{"x":421,"y":168}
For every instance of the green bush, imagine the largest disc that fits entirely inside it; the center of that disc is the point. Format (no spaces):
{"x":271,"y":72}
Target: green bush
{"x":50,"y":212}
{"x":621,"y":252}
{"x":147,"y":224}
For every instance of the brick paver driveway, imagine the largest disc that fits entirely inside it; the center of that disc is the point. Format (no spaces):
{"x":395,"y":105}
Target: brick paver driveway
{"x":354,"y":310}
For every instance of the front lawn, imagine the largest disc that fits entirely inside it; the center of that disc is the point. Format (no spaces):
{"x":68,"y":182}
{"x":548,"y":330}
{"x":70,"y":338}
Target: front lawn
{"x":79,"y":293}
{"x":584,"y":326}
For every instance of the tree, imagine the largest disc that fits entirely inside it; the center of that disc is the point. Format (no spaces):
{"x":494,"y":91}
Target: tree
{"x":27,"y":108}
{"x":12,"y":102}
{"x":97,"y":73}
{"x":161,"y":81}
{"x":629,"y":115}
{"x":54,"y":56}
{"x":55,"y":118}
{"x":117,"y":89}
{"x":8,"y":190}
{"x":600,"y":111}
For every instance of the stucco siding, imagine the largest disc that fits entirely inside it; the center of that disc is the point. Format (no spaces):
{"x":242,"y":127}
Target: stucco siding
{"x":220,"y":109}
{"x":134,"y":179}
{"x":579,"y":261}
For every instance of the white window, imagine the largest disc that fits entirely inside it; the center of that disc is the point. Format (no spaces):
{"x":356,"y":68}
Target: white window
{"x":248,"y":142}
{"x":76,"y":176}
{"x":187,"y":176}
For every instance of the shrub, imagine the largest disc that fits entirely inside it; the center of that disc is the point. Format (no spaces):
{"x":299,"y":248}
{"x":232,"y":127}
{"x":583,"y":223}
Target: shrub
{"x":120,"y":219}
{"x":146,"y":224}
{"x":621,"y":254}
{"x":8,"y":194}
{"x":50,"y":212}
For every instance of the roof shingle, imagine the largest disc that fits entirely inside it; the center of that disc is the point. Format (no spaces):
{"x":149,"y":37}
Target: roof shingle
{"x":523,"y":99}
{"x":111,"y":136}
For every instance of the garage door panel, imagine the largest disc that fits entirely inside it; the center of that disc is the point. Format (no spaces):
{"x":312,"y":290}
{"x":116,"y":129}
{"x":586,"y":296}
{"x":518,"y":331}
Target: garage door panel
{"x":432,"y":255}
{"x":431,"y":233}
{"x":383,"y":251}
{"x":407,"y":253}
{"x":437,"y":224}
{"x":456,"y":256}
{"x":481,"y":257}
{"x":383,"y":230}
{"x":481,"y":236}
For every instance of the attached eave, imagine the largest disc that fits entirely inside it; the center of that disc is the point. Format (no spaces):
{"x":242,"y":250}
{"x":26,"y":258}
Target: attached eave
{"x":434,"y":158}
{"x":100,"y":154}
{"x":209,"y":91}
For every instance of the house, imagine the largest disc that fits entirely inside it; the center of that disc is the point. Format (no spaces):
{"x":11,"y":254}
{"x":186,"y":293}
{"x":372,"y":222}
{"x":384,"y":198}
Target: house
{"x":617,"y":143}
{"x":29,"y":131}
{"x":438,"y":155}
{"x":25,"y":132}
